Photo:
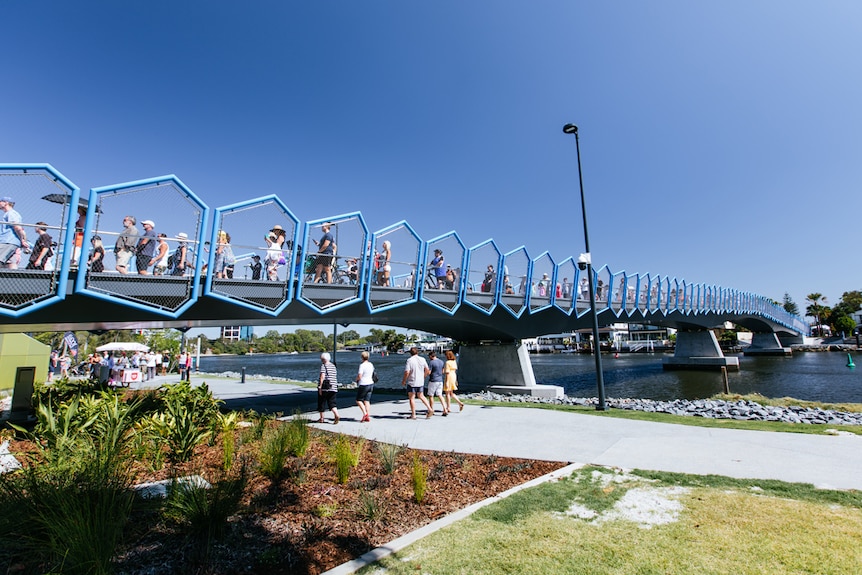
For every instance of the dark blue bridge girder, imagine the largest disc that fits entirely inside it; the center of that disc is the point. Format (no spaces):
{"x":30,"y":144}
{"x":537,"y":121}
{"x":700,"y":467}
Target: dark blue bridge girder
{"x":79,"y":311}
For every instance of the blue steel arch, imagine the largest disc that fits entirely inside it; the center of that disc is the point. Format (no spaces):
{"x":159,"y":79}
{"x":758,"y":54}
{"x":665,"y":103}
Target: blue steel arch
{"x":484,"y":301}
{"x":328,"y":298}
{"x":30,"y":290}
{"x":567,"y":269}
{"x":446,"y":300}
{"x":182,"y":291}
{"x":522,"y":289}
{"x":406,"y":295}
{"x":271,"y":297}
{"x":541,"y":289}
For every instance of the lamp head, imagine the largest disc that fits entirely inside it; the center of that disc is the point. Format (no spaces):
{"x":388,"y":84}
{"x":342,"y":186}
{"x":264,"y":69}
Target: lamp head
{"x":570,"y":129}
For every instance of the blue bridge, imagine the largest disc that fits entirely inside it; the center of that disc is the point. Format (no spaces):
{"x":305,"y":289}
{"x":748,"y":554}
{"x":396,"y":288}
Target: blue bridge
{"x":151,"y":253}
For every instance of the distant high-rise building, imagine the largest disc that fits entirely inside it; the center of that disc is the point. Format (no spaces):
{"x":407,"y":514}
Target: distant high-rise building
{"x":237,"y":332}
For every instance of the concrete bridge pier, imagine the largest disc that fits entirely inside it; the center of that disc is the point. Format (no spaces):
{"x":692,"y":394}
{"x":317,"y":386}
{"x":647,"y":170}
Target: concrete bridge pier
{"x":699,"y":350}
{"x":788,"y":339}
{"x":766,"y":344}
{"x":501,"y":368}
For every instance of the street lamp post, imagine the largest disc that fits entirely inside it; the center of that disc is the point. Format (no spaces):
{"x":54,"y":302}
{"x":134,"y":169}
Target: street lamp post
{"x":586,"y":261}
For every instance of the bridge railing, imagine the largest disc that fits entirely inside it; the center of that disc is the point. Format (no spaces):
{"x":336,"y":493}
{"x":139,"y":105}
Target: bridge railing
{"x":392,"y":268}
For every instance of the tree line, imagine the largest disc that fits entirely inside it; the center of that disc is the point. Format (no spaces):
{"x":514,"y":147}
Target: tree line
{"x":839,"y":317}
{"x":170,"y":340}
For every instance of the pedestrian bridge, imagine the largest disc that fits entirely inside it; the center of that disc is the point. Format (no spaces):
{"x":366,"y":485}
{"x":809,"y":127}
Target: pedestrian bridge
{"x":254,"y":262}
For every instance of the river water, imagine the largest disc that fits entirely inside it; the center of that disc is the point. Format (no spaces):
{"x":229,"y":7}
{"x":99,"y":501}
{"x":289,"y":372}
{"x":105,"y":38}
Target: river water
{"x":814,"y":376}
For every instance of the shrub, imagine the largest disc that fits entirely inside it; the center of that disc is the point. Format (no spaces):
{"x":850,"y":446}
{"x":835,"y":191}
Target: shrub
{"x":203,"y":510}
{"x":273,"y":452}
{"x":226,"y":424}
{"x":420,"y":479}
{"x":69,"y":509}
{"x":389,"y":453}
{"x":299,"y":437}
{"x":371,"y":507}
{"x":345,"y":456}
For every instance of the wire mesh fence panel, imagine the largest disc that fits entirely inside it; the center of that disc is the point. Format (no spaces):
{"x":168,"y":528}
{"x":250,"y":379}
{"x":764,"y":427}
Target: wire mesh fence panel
{"x":34,"y":214}
{"x":484,"y":276}
{"x":516,"y":265}
{"x":567,"y":274}
{"x":395,"y":255}
{"x":334,"y":261}
{"x":144,"y":245}
{"x":444,"y":263}
{"x":254,"y":256}
{"x":542,"y":283}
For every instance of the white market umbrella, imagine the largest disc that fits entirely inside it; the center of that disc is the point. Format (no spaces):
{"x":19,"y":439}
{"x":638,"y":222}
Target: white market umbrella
{"x":123,"y":346}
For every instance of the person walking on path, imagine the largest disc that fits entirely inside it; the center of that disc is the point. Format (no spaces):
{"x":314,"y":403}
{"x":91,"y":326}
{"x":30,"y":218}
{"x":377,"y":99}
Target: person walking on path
{"x":414,"y":379}
{"x":327,"y":386}
{"x":364,"y":387}
{"x":435,"y":382}
{"x":450,"y":371}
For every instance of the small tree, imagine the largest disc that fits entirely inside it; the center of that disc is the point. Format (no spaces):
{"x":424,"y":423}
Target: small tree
{"x":789,"y":305}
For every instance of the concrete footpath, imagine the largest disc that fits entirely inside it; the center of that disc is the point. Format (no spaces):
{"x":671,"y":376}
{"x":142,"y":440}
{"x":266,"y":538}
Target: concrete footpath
{"x":826,"y":461}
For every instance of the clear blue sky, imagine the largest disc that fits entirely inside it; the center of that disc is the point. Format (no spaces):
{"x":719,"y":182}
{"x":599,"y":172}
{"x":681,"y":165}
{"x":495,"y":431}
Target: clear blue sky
{"x":721,"y":141}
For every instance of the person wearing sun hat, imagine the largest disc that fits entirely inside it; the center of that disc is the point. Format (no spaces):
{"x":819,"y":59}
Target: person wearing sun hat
{"x":274,"y":254}
{"x":12,"y":234}
{"x":182,"y":256}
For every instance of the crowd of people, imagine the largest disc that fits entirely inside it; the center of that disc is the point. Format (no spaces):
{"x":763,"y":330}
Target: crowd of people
{"x":442,"y":383}
{"x":147,"y":364}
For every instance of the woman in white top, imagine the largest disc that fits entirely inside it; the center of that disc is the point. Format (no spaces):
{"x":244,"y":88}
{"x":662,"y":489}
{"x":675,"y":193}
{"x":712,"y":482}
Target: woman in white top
{"x":365,"y":381}
{"x":386,"y":258}
{"x":160,"y":259}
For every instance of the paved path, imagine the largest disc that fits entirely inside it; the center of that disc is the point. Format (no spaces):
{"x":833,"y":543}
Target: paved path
{"x":825,"y":461}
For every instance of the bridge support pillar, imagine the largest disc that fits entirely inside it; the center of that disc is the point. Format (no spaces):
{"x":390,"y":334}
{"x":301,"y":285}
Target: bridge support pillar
{"x":501,"y":368}
{"x":766,"y":344}
{"x":699,"y":350}
{"x":788,"y":339}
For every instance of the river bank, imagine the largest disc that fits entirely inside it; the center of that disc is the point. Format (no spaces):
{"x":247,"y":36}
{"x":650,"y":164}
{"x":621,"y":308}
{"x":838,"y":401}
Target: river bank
{"x":707,"y":408}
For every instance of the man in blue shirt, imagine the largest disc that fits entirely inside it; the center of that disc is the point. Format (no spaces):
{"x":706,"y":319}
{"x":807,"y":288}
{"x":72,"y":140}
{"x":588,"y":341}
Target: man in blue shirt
{"x":326,"y":253}
{"x":435,"y":381}
{"x":12,"y":235}
{"x":438,"y":266}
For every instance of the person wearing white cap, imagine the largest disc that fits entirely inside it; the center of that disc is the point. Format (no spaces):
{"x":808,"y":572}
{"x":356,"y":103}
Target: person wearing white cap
{"x":182,"y":256}
{"x":12,"y":235}
{"x":146,"y":247}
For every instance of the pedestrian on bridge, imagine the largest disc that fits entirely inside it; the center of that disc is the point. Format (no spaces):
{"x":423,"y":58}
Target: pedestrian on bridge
{"x":125,"y":246}
{"x":13,"y":238}
{"x":415,"y":373}
{"x":325,"y":254}
{"x":146,"y":247}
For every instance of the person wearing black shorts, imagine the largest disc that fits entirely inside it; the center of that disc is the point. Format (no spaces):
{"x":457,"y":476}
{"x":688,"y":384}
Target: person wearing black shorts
{"x":364,"y":387}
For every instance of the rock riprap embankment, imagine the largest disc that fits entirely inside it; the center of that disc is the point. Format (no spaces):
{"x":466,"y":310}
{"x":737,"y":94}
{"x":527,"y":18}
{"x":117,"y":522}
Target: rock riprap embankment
{"x":709,"y":408}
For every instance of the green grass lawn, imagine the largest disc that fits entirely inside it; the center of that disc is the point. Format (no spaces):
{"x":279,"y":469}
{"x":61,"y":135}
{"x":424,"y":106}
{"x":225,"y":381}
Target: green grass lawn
{"x":604,"y":521}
